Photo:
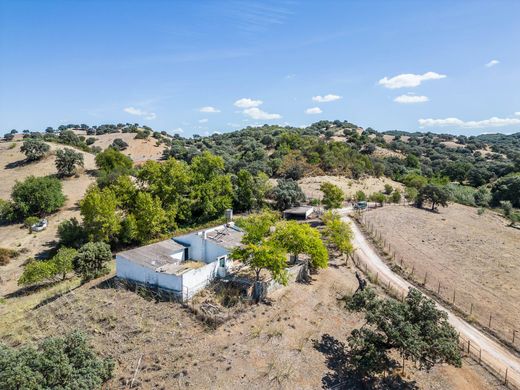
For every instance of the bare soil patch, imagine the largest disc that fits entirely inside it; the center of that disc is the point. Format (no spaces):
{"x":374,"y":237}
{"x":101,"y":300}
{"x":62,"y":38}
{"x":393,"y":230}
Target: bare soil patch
{"x":139,"y":150}
{"x":475,"y":255}
{"x":163,"y":346}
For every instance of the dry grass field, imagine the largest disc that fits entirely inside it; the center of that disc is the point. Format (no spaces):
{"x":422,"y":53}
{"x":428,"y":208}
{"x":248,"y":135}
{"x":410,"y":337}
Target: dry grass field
{"x":13,"y":168}
{"x":139,"y":150}
{"x":369,"y":185}
{"x":475,"y":255}
{"x":160,"y":345}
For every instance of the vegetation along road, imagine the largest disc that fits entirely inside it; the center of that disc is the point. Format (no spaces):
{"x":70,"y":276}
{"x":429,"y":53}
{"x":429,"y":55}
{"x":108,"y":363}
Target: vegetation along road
{"x":493,"y":353}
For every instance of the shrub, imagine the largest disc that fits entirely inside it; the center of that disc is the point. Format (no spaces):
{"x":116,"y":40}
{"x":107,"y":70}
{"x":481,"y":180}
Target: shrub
{"x":38,"y":196}
{"x":67,"y":160}
{"x":333,"y":196}
{"x":396,"y":196}
{"x":71,"y":233}
{"x":34,"y":149}
{"x":7,"y":212}
{"x":287,"y":194}
{"x":482,"y":197}
{"x":91,"y":260}
{"x":507,"y":188}
{"x":388,"y":189}
{"x":57,"y":363}
{"x":29,"y":221}
{"x":119,"y":144}
{"x":462,"y":194}
{"x":360,"y":196}
{"x":36,"y":271}
{"x":90,"y":140}
{"x":6,"y":255}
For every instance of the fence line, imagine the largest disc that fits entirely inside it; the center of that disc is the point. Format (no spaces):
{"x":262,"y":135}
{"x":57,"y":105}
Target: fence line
{"x":491,"y":321}
{"x":508,"y":377}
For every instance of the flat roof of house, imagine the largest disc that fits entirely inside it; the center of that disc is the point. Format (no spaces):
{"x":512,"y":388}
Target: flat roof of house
{"x":299,"y":210}
{"x":227,"y":236}
{"x":154,"y":255}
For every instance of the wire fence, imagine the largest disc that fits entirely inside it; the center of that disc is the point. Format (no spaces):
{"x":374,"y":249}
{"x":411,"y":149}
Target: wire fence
{"x":462,"y":300}
{"x":504,"y":373}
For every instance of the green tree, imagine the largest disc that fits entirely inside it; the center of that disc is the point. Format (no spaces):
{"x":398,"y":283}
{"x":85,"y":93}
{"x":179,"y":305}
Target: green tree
{"x":63,"y":261}
{"x":111,"y":159}
{"x":378,"y":197}
{"x":129,"y":230}
{"x":57,"y":363}
{"x":149,"y":216}
{"x":101,"y":219}
{"x":244,"y":194}
{"x":38,"y":196}
{"x":67,"y":161}
{"x":507,"y":188}
{"x":360,"y":196}
{"x":410,"y":194}
{"x":36,"y":271}
{"x":338,"y":233}
{"x":71,"y":233}
{"x":34,"y":149}
{"x":333,"y":196}
{"x":91,"y":260}
{"x":414,"y":328}
{"x":301,"y":239}
{"x":415,"y":180}
{"x":287,"y":194}
{"x":434,"y":194}
{"x":257,"y":226}
{"x":388,"y":189}
{"x":396,"y":196}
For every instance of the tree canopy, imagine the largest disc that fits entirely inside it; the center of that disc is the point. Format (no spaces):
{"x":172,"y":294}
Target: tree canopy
{"x":333,"y":196}
{"x":37,"y":196}
{"x":34,"y":149}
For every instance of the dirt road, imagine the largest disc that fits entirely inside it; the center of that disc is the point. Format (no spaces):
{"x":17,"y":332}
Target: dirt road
{"x":493,"y":353}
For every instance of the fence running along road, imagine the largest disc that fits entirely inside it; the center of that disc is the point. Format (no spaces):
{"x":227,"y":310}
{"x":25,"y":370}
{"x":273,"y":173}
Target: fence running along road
{"x":486,"y":351}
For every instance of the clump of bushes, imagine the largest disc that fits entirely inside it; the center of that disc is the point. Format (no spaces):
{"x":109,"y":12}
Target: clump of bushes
{"x":6,"y":255}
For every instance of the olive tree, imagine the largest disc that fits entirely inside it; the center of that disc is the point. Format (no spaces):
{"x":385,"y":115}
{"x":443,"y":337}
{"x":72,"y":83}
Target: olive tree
{"x":67,"y":161}
{"x":34,"y":149}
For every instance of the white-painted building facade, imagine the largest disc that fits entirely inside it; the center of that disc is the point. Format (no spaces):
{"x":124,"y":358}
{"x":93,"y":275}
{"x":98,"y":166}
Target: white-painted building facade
{"x":183,"y":264}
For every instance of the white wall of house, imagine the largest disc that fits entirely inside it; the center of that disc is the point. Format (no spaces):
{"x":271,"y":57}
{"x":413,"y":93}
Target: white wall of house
{"x":196,"y":279}
{"x":201,"y":249}
{"x":126,"y":269}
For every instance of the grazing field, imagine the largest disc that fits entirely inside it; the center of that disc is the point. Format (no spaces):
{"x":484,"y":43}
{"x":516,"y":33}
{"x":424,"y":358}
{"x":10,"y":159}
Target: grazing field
{"x":13,"y":168}
{"x":161,"y":345}
{"x":475,"y":258}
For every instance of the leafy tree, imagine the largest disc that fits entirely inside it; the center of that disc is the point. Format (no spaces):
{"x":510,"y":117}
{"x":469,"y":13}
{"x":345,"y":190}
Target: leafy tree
{"x":287,"y":194}
{"x":149,"y":216}
{"x":91,"y":260}
{"x":396,"y":196}
{"x":457,"y":171}
{"x":378,"y":197}
{"x":411,"y":194}
{"x":478,"y":176}
{"x":482,"y":197}
{"x":415,"y":180}
{"x":99,"y":211}
{"x":63,"y":261}
{"x":434,"y":194}
{"x":37,"y":196}
{"x":67,"y":161}
{"x":414,"y":328}
{"x":7,"y":212}
{"x":34,"y":149}
{"x":119,"y":144}
{"x":412,"y":161}
{"x":244,"y":191}
{"x":57,"y":363}
{"x":301,"y":239}
{"x":507,"y":188}
{"x":112,"y":164}
{"x":36,"y":271}
{"x":360,"y":196}
{"x":388,"y":189}
{"x":338,"y":233}
{"x":267,"y":256}
{"x":71,"y":233}
{"x":257,"y":226}
{"x":333,"y":196}
{"x":129,"y":230}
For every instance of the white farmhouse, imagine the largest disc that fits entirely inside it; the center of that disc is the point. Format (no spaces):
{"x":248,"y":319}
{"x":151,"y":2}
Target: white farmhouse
{"x":183,"y":264}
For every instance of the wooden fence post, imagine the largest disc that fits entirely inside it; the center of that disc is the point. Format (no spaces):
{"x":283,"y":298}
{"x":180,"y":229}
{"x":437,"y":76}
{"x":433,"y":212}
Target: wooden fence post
{"x":439,"y":289}
{"x":471,"y":309}
{"x":490,"y":316}
{"x":514,"y":333}
{"x":453,"y":296}
{"x":469,"y":346}
{"x":425,"y":278}
{"x":505,"y":380}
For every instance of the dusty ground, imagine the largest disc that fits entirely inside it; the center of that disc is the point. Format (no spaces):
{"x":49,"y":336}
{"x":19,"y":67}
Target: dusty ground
{"x":16,"y":236}
{"x":278,"y":346}
{"x":311,"y":185}
{"x":477,"y":255}
{"x":139,"y":150}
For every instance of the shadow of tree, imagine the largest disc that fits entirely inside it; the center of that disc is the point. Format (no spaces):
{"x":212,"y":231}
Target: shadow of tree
{"x":341,"y":376}
{"x":16,"y":164}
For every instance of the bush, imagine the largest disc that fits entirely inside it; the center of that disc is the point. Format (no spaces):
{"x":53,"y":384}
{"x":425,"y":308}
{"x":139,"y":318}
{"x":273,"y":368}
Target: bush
{"x":360,"y":196}
{"x":67,"y":160}
{"x":6,"y":255}
{"x":333,"y":196}
{"x":462,"y":194}
{"x":287,"y":194}
{"x":112,"y":159}
{"x":7,"y":212}
{"x":29,"y":221}
{"x":507,"y":188}
{"x":71,"y":233}
{"x":482,"y":197}
{"x":91,"y":260}
{"x":90,"y":140}
{"x":38,"y":196}
{"x":34,"y":149}
{"x":119,"y":144}
{"x":388,"y":189}
{"x":36,"y":271}
{"x":396,"y":196}
{"x":58,"y":363}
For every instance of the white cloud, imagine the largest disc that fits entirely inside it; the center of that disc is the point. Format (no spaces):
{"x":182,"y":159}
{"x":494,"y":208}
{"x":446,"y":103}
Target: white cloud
{"x":409,"y":80}
{"x":492,"y":63}
{"x":410,"y":99}
{"x":139,"y":112}
{"x":247,"y":103}
{"x":256,"y":113}
{"x":517,"y":113}
{"x":326,"y":98}
{"x":313,"y":110}
{"x":491,"y":122}
{"x":203,"y":120}
{"x":209,"y":109}
{"x":178,"y":130}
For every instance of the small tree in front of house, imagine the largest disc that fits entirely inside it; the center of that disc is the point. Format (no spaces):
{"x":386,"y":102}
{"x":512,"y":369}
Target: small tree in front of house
{"x":338,"y":233}
{"x":91,"y":260}
{"x":333,"y":196}
{"x":67,"y":161}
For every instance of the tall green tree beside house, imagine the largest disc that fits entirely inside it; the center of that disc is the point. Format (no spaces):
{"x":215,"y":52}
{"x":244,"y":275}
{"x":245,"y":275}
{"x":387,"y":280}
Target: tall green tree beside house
{"x":101,"y":218}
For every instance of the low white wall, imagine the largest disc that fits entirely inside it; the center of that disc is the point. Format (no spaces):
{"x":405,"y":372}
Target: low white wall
{"x":128,"y":270}
{"x":196,"y":279}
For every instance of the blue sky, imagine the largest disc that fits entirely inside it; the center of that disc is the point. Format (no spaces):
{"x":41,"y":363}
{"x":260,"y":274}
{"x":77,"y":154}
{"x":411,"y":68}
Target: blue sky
{"x":444,"y":66}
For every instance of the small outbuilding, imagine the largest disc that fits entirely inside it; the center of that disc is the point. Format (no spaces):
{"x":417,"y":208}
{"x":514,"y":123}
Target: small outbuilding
{"x":299,"y":213}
